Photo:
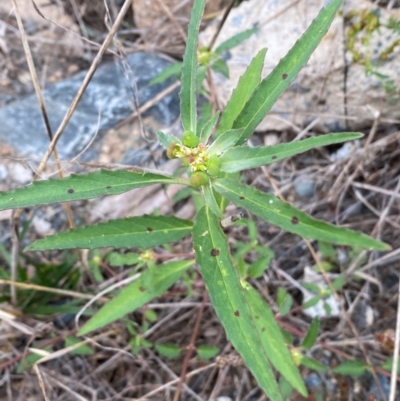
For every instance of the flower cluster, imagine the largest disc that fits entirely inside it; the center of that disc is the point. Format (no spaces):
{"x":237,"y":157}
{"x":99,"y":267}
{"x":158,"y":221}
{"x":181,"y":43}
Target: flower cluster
{"x":194,"y":154}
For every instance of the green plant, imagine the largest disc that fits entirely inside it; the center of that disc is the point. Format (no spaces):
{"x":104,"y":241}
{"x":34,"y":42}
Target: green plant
{"x":213,"y":172}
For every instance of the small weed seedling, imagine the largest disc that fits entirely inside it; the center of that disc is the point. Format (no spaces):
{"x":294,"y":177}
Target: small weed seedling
{"x":214,"y":166}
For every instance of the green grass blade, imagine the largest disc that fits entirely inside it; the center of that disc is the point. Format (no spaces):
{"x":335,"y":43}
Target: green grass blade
{"x":241,"y":94}
{"x":137,"y":294}
{"x":243,"y":157}
{"x":189,"y":70}
{"x":227,"y":296}
{"x":224,"y":141}
{"x":144,"y":231}
{"x":272,"y":340}
{"x":235,"y":40}
{"x":77,"y":187}
{"x":284,"y":215}
{"x":270,"y":88}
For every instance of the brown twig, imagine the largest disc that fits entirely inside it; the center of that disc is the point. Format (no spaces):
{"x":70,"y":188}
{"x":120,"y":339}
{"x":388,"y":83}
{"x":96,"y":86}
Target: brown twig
{"x":221,"y":23}
{"x":191,"y":347}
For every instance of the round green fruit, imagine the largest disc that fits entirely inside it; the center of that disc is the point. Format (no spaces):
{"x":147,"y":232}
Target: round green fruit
{"x":214,"y":166}
{"x":198,"y":179}
{"x":189,"y":139}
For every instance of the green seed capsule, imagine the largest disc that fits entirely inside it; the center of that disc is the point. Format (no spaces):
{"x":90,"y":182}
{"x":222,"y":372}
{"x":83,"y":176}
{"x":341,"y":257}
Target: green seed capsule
{"x":171,"y":150}
{"x":214,"y":166}
{"x":189,"y":139}
{"x":198,"y":179}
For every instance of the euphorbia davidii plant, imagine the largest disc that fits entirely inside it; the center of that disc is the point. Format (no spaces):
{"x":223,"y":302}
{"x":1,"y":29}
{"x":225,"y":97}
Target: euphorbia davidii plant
{"x":214,"y":161}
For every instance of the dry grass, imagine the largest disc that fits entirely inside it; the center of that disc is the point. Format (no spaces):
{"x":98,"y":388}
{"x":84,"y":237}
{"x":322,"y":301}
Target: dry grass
{"x":361,"y":191}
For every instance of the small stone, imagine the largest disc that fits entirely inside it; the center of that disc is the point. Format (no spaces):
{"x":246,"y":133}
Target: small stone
{"x":3,"y":172}
{"x":304,"y":187}
{"x":20,"y":174}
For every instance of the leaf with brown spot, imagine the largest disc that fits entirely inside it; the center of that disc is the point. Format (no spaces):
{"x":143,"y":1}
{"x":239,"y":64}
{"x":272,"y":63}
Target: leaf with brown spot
{"x":280,"y":213}
{"x":227,"y":296}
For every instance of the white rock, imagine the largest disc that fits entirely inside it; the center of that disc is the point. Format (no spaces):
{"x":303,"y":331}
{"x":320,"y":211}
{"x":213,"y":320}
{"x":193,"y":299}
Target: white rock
{"x":20,"y":173}
{"x":318,"y":90}
{"x":318,"y":310}
{"x":42,"y":227}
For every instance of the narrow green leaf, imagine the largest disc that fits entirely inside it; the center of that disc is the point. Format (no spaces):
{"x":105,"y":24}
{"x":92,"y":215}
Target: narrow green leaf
{"x":257,"y":268}
{"x":247,"y":83}
{"x":352,"y":368}
{"x":314,"y":288}
{"x":339,"y":282}
{"x":220,"y":66}
{"x":227,"y":296}
{"x":205,"y":116}
{"x":210,"y":200}
{"x":189,"y":70}
{"x":224,"y":141}
{"x":207,"y":351}
{"x":83,"y":186}
{"x":127,"y":259}
{"x":284,"y":301}
{"x":166,"y":139}
{"x":312,"y":334}
{"x":312,"y":302}
{"x":235,"y":40}
{"x":136,"y":295}
{"x":208,"y":127}
{"x":84,"y":349}
{"x":313,"y":364}
{"x":168,"y":350}
{"x":284,"y":215}
{"x":144,"y":231}
{"x":173,"y":70}
{"x":243,"y":157}
{"x":282,"y":76}
{"x":272,"y":340}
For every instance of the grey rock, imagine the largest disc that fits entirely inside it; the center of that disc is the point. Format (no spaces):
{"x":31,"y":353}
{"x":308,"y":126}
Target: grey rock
{"x":304,"y":187}
{"x":110,"y":98}
{"x":313,"y":380}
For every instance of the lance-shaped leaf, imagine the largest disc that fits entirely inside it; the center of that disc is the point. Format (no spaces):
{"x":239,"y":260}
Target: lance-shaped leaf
{"x":235,"y":40}
{"x":270,"y":88}
{"x":144,"y":231}
{"x":137,"y":294}
{"x":227,"y":296}
{"x":189,"y":70}
{"x":224,"y":141}
{"x":284,"y":215}
{"x":210,"y":200}
{"x":166,"y":139}
{"x":241,"y":94}
{"x":272,"y":340}
{"x":312,"y":334}
{"x":173,"y":70}
{"x":83,"y":186}
{"x":208,"y":127}
{"x":243,"y":157}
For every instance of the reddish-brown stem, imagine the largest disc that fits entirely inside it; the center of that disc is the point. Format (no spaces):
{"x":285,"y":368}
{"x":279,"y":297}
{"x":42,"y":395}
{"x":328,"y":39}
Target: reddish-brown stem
{"x":191,"y":347}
